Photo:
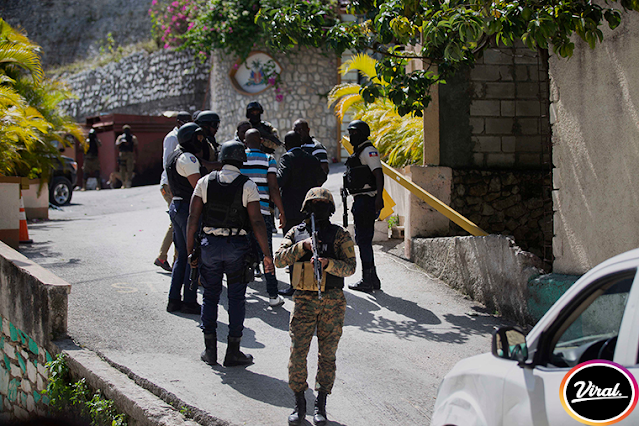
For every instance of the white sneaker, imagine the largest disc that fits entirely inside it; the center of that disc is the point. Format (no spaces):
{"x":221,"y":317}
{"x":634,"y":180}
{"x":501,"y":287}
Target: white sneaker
{"x":276,"y":301}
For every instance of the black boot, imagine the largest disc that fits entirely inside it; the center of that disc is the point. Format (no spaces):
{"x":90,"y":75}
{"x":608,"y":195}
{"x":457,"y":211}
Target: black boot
{"x":233,"y":356}
{"x":377,"y":284}
{"x":297,"y":416}
{"x":210,"y":352}
{"x":366,"y":283}
{"x":319,"y":418}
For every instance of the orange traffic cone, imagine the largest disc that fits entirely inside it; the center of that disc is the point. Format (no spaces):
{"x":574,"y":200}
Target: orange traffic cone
{"x":24,"y":231}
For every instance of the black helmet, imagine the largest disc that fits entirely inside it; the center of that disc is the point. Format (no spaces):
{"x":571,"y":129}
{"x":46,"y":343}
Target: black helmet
{"x":187,"y":138}
{"x":207,"y":118}
{"x":361,"y":127}
{"x":232,"y":151}
{"x":254,"y":106}
{"x":184,"y":116}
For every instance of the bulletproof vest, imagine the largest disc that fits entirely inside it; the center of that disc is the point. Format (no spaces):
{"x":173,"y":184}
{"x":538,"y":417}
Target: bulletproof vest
{"x":358,"y":175}
{"x":224,"y":208}
{"x":93,"y":147}
{"x":128,"y":145}
{"x":180,"y":185}
{"x":326,"y":236}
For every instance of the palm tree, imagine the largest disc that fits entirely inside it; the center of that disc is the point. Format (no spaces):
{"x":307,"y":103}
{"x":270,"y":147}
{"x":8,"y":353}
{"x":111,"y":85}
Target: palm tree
{"x":29,"y":120}
{"x":400,"y":140}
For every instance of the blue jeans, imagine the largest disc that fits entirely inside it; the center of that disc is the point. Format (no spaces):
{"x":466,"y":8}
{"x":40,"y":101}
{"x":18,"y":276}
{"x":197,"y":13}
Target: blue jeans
{"x":219,"y":256}
{"x":179,"y":213}
{"x":270,"y":278}
{"x":364,"y":216}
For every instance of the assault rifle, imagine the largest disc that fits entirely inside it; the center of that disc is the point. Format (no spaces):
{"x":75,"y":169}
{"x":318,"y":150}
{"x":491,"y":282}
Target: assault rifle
{"x":344,"y":193}
{"x":317,"y":265}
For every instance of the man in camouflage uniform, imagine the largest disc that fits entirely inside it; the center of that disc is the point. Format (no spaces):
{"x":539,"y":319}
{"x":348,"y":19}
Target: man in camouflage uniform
{"x":312,"y":314}
{"x":127,"y":145}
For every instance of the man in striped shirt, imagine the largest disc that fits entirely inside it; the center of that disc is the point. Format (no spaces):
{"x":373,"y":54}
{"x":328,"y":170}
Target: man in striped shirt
{"x":261,"y":168}
{"x":310,"y":144}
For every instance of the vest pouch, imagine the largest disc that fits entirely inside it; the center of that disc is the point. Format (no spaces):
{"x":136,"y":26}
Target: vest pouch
{"x":304,"y":277}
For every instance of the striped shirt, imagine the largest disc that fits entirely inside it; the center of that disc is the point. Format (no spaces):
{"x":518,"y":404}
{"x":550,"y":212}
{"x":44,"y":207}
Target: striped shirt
{"x":317,"y":150}
{"x":258,"y":164}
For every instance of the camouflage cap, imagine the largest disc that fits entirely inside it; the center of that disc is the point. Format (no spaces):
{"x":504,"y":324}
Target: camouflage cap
{"x":319,"y":193}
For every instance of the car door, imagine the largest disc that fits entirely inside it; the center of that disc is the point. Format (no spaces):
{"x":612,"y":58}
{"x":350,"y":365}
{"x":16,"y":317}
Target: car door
{"x":584,"y":329}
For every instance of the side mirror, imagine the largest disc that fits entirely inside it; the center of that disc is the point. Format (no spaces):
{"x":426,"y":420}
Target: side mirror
{"x":510,"y":343}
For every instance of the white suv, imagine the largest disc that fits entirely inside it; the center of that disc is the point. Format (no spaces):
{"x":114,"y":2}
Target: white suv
{"x":519,"y":383}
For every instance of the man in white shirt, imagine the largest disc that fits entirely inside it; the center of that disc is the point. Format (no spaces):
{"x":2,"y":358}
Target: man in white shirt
{"x":229,"y":205}
{"x":168,"y":146}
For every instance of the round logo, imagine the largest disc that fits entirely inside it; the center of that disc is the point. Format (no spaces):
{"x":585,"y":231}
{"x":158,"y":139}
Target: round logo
{"x":598,"y":392}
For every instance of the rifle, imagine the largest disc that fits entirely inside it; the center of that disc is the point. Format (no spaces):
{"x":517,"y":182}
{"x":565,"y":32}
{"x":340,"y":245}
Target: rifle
{"x":344,"y":194}
{"x":317,"y":265}
{"x":195,"y":272}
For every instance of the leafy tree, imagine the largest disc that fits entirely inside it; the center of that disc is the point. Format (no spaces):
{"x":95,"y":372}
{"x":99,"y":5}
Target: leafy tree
{"x":446,"y":35}
{"x":29,"y":120}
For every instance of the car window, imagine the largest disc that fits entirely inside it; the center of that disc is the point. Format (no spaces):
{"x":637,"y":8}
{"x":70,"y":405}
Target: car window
{"x":590,"y":331}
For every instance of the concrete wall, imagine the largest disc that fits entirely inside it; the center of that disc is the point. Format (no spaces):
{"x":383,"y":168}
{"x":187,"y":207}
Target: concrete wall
{"x":10,"y":210}
{"x":33,"y":311}
{"x":307,"y":77}
{"x":595,"y":111}
{"x":496,"y":114}
{"x":491,"y":270}
{"x":140,"y":84}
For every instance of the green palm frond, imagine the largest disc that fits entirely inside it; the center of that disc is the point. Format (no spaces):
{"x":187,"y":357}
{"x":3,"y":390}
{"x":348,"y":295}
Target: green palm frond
{"x":15,"y":55}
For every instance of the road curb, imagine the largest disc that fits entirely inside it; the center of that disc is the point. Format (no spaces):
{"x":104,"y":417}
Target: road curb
{"x":145,"y":403}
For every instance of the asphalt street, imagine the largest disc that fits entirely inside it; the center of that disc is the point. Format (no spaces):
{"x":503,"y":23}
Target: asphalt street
{"x":396,"y":346}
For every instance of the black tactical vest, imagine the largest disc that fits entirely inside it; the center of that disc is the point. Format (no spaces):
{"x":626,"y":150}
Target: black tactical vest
{"x":224,"y":208}
{"x":92,"y":152}
{"x":358,"y":175}
{"x":180,"y":186}
{"x":326,"y":236}
{"x":127,"y":144}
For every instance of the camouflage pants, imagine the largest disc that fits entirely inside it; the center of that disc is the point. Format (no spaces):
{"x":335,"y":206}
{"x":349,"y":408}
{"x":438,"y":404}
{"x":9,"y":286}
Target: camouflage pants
{"x":327,"y":317}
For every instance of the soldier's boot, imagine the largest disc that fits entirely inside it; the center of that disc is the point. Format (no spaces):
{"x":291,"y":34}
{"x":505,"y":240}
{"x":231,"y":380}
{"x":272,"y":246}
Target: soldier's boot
{"x":209,"y":355}
{"x":319,"y":416}
{"x":233,"y":356}
{"x":297,"y":416}
{"x":366,"y":283}
{"x":377,"y":284}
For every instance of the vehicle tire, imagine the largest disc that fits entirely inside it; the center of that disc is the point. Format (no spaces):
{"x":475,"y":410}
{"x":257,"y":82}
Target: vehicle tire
{"x":60,"y":191}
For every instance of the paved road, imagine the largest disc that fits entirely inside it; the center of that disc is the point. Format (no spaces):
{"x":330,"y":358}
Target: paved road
{"x":396,"y":347}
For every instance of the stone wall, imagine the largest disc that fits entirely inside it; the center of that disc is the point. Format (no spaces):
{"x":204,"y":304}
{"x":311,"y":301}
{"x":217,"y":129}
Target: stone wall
{"x":71,"y":30}
{"x":515,"y":203}
{"x":23,"y":376}
{"x":141,"y":84}
{"x":307,"y":77}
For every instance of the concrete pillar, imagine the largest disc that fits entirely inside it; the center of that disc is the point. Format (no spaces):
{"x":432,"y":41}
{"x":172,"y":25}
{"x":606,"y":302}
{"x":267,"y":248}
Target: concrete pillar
{"x":421,"y":219}
{"x":10,"y":211}
{"x":431,"y":129}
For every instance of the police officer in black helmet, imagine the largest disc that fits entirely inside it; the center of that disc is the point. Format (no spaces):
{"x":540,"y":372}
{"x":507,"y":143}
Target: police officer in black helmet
{"x":229,"y":204}
{"x":270,"y":139}
{"x":183,"y":171}
{"x":364,"y":180}
{"x":209,"y":122}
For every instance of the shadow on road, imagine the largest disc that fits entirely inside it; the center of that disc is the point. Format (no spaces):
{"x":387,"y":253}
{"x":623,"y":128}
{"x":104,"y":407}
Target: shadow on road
{"x":367,"y":313}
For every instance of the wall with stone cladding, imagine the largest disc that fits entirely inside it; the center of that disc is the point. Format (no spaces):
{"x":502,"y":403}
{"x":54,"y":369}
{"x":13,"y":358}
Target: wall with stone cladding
{"x":23,"y":376}
{"x":307,"y":77}
{"x":509,"y":109}
{"x":142,"y":84}
{"x":509,"y":203}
